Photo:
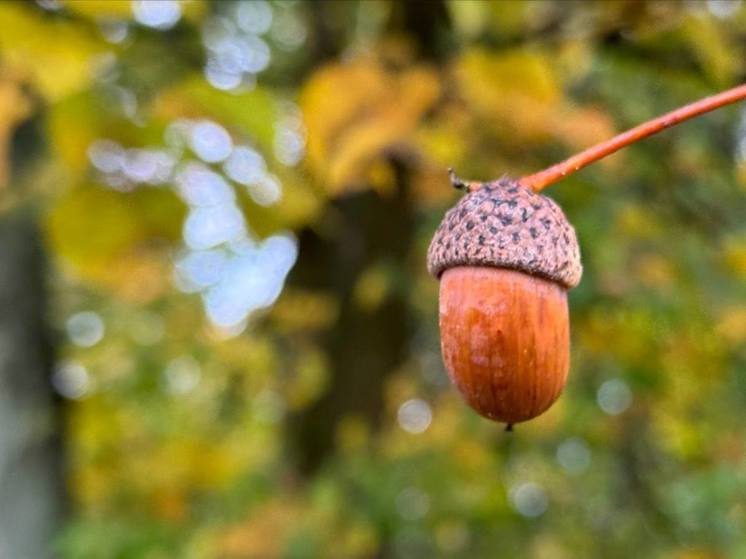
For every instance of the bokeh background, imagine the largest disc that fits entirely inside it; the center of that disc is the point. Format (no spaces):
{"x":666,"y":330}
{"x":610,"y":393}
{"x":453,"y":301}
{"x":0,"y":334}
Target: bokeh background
{"x":218,"y":338}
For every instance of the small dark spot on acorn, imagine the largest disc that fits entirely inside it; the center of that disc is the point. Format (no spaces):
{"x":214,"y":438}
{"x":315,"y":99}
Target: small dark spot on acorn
{"x":462,"y":213}
{"x":512,"y":203}
{"x":565,"y":237}
{"x":483,"y":217}
{"x":493,"y":230}
{"x":524,"y":215}
{"x":546,"y":223}
{"x":469,"y":225}
{"x":481,"y":240}
{"x":533,"y":232}
{"x":516,"y":237}
{"x":536,"y":206}
{"x":512,"y":190}
{"x":506,"y":220}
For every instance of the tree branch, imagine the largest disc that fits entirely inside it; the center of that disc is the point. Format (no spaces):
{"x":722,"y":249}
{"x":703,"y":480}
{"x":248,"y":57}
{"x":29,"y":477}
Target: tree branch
{"x":549,"y":176}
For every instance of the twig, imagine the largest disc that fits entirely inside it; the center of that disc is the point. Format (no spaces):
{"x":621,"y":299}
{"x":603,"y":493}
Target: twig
{"x":549,"y":176}
{"x":461,"y":184}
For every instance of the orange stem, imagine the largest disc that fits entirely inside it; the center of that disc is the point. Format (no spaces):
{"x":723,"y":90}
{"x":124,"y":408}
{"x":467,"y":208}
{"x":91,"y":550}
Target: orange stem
{"x":549,"y":176}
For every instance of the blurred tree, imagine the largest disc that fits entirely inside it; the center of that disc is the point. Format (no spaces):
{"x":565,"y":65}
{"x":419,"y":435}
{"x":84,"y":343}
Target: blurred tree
{"x":31,"y":483}
{"x":32,"y":489}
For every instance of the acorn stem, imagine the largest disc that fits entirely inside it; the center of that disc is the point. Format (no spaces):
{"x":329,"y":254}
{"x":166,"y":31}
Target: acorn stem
{"x":549,"y":176}
{"x":461,"y":184}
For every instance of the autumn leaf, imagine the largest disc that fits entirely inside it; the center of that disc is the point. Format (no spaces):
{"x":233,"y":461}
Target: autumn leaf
{"x":348,"y":134}
{"x":519,"y":94}
{"x":109,"y":238}
{"x":56,"y":72}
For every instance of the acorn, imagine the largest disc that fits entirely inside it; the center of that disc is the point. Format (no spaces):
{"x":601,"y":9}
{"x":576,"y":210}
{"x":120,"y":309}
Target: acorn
{"x":505,"y":257}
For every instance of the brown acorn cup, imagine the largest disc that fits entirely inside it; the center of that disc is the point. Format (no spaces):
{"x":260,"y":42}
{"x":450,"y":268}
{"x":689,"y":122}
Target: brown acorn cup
{"x":505,"y":257}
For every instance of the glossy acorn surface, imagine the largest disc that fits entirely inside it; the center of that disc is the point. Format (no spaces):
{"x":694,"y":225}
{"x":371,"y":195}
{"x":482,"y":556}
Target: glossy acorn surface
{"x":505,"y":257}
{"x":505,"y":340}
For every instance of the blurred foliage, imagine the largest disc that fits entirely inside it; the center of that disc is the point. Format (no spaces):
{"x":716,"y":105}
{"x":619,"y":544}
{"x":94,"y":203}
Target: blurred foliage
{"x":180,"y":433}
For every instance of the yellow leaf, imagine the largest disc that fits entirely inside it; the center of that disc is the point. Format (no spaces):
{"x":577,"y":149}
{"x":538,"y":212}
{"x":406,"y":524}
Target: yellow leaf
{"x":354,"y":112}
{"x":510,"y":86}
{"x":709,"y":41}
{"x":56,"y":55}
{"x":504,"y":18}
{"x":74,"y":123}
{"x":101,"y":9}
{"x":581,"y":127}
{"x":732,"y":325}
{"x":518,"y":93}
{"x":253,"y":112}
{"x":78,"y":120}
{"x":735,"y":257}
{"x":122,"y":9}
{"x":109,"y":238}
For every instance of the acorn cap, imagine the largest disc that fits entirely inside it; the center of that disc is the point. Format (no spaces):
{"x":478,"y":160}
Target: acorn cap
{"x":505,"y":225}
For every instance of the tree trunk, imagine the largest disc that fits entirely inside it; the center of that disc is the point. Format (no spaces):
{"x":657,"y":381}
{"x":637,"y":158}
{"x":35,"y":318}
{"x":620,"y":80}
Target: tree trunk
{"x":31,"y":483}
{"x":363,"y":348}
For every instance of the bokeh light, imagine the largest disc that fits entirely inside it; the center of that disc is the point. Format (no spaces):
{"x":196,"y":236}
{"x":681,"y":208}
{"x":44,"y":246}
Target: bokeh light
{"x":235,"y":51}
{"x":529,"y":499}
{"x":574,"y":456}
{"x":71,"y":380}
{"x":245,"y":166}
{"x":614,"y":396}
{"x":199,"y":186}
{"x":254,"y":17}
{"x":210,"y":141}
{"x":159,"y":14}
{"x":412,"y":503}
{"x":182,"y":375}
{"x":85,"y":329}
{"x":415,"y":416}
{"x":724,"y":8}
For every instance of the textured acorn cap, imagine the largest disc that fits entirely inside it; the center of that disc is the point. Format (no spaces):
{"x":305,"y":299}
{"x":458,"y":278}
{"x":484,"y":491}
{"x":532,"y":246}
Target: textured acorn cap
{"x":505,"y":225}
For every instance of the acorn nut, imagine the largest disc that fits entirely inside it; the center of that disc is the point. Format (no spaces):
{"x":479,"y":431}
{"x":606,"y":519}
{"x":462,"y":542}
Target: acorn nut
{"x":505,"y":257}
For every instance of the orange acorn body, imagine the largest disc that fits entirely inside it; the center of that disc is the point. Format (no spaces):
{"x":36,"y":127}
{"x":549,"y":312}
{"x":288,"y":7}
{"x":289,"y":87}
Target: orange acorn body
{"x":506,"y":340}
{"x":505,"y":257}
